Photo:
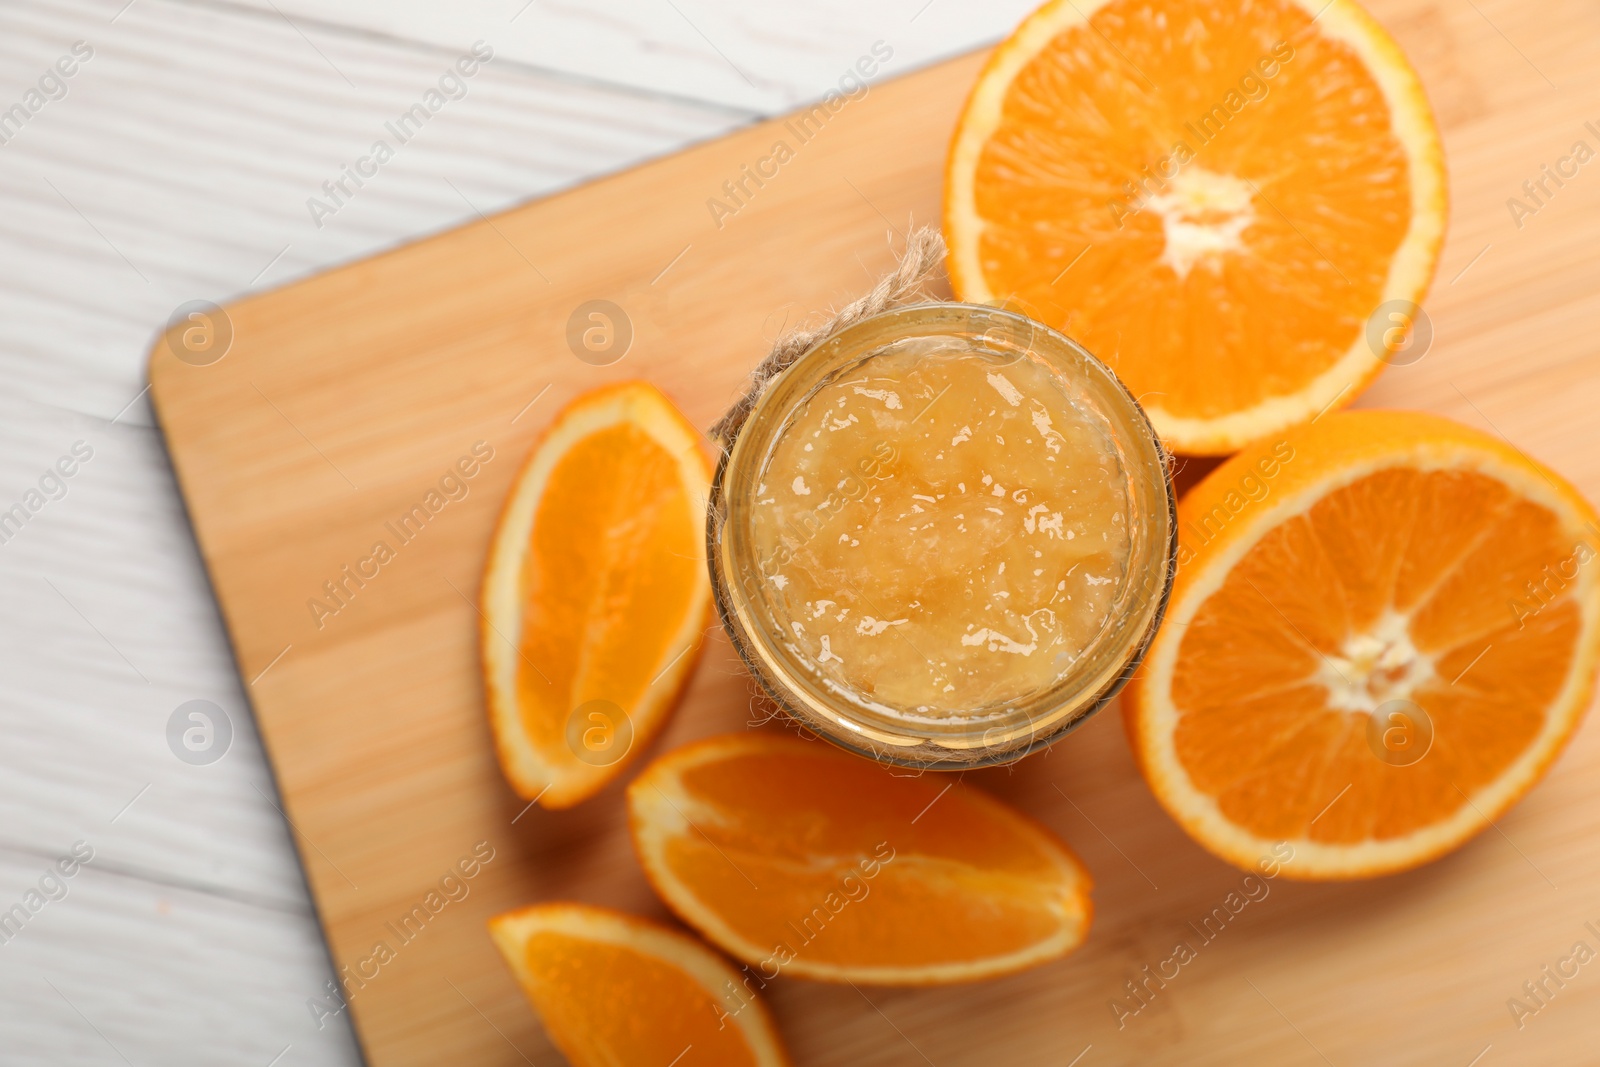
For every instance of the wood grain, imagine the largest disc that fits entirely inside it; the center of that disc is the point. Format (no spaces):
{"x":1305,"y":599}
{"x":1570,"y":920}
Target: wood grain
{"x":346,"y":396}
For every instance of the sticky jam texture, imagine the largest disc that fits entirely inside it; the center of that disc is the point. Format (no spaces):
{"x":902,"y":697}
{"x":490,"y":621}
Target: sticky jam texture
{"x":943,"y":529}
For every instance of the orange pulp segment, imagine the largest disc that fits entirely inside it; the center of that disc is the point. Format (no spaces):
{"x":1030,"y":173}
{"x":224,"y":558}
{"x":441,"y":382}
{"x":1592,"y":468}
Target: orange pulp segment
{"x":800,"y":859}
{"x":612,"y":989}
{"x":595,"y":597}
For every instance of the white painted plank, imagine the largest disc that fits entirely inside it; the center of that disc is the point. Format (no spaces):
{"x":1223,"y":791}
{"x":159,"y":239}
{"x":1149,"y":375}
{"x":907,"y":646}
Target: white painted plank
{"x":180,"y":164}
{"x":122,"y":971}
{"x":767,"y":57}
{"x":111,"y":628}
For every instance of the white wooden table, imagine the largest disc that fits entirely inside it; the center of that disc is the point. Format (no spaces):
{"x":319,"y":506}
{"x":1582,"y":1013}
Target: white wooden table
{"x":177,"y":166}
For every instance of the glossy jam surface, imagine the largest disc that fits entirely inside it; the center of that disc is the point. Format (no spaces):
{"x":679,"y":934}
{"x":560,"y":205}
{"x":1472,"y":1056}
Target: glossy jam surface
{"x":942,"y":529}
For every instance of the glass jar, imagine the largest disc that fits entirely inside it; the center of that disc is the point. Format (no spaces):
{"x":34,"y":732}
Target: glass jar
{"x":935,"y":656}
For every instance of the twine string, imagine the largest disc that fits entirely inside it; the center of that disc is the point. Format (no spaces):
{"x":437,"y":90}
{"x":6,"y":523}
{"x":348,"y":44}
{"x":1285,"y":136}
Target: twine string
{"x":903,"y":285}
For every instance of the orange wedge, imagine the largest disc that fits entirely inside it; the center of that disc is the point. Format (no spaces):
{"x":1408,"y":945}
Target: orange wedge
{"x":1383,"y":630}
{"x":800,"y":859}
{"x":612,"y":990}
{"x":595,"y":597}
{"x":1228,"y":203}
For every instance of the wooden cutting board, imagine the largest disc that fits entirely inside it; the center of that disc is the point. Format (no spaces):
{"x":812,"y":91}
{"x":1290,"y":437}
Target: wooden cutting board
{"x":345,"y":401}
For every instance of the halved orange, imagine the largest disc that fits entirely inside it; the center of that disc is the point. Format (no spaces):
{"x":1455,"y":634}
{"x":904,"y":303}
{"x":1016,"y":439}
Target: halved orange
{"x":613,"y":989}
{"x":1215,"y":198}
{"x":800,"y":859}
{"x":1384,"y":628}
{"x":595,"y":596}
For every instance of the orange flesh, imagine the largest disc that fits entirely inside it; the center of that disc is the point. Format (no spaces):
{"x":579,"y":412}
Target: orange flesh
{"x":794,"y":858}
{"x":614,"y":552}
{"x":1322,"y":194}
{"x":1259,"y":683}
{"x":609,"y":1004}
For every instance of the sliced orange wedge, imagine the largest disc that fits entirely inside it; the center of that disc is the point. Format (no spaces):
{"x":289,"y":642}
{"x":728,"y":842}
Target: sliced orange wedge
{"x":1228,"y":203}
{"x":595,"y":597}
{"x":800,"y":859}
{"x":612,"y":989}
{"x":1383,"y":629}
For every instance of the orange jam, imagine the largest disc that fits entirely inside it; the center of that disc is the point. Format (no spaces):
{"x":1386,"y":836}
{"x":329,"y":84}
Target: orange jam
{"x":942,"y":535}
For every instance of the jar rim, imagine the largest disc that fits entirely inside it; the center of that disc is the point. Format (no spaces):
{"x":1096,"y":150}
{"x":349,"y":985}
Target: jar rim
{"x":991,"y":735}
